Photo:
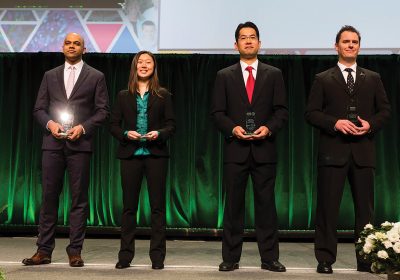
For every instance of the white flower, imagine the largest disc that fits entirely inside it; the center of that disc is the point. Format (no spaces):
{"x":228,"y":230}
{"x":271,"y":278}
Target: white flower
{"x":367,"y":248}
{"x":387,"y":244}
{"x":382,"y":254}
{"x":386,"y":224}
{"x":396,"y":247}
{"x":368,"y":226}
{"x":393,"y":235}
{"x":380,"y":236}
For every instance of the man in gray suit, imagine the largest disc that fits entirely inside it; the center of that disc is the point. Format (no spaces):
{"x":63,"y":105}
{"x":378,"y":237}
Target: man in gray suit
{"x":72,"y":102}
{"x":348,"y":105}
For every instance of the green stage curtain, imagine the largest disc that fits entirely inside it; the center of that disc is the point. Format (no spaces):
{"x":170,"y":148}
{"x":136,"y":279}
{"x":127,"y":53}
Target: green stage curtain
{"x":195,"y":196}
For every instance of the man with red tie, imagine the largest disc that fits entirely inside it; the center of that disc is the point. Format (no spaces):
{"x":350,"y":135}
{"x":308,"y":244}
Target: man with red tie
{"x":249,"y":108}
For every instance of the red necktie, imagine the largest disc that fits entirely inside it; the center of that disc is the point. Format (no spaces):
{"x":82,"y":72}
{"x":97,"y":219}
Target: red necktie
{"x":250,"y":83}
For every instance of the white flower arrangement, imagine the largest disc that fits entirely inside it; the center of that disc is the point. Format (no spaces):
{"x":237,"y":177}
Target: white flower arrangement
{"x":380,"y":246}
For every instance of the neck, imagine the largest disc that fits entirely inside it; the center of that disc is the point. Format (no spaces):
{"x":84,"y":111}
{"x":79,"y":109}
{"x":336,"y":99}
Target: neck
{"x":142,"y":87}
{"x":247,"y":60}
{"x":347,"y":62}
{"x":73,"y":62}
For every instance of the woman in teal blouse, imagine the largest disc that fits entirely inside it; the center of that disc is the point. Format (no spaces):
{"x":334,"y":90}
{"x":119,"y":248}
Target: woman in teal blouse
{"x":142,"y":120}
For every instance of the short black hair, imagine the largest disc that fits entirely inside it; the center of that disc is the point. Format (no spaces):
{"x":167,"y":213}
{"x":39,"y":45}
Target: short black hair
{"x":246,"y":24}
{"x":347,"y":28}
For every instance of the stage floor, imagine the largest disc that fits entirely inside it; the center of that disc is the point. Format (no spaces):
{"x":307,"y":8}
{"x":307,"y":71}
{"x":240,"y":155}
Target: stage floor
{"x":192,"y":260}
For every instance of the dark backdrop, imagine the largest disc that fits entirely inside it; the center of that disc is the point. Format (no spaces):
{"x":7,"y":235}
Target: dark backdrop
{"x":194,"y":192}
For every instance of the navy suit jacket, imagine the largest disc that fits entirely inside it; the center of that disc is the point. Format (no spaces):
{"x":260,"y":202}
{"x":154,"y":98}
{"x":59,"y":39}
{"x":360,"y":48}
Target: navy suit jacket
{"x":88,"y":102}
{"x":328,"y":102}
{"x":230,"y":104}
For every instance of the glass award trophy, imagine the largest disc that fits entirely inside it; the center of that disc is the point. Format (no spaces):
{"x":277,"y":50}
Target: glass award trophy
{"x":67,"y":121}
{"x":250,"y":123}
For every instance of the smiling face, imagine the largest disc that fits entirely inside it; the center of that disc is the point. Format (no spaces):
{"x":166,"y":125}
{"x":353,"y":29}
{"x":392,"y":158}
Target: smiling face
{"x":73,"y":48}
{"x":348,"y":47}
{"x":145,"y":67}
{"x":248,"y":44}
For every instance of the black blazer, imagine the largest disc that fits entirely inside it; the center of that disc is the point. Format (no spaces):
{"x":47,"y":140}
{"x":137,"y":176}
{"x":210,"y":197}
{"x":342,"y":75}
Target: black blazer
{"x":160,"y":117}
{"x":88,"y":101}
{"x":328,"y":102}
{"x":230,"y":104}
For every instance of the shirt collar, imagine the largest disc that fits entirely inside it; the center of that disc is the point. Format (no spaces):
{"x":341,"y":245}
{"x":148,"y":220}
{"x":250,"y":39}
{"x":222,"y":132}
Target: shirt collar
{"x":342,"y":67}
{"x":78,"y":66}
{"x":243,"y":65}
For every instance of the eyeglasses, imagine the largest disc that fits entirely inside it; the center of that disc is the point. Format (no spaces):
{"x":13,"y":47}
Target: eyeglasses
{"x":251,"y":37}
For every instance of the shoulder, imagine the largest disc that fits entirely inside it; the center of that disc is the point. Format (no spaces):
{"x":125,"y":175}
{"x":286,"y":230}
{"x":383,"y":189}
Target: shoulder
{"x":368,"y":72}
{"x":327,"y":72}
{"x":264,"y":66}
{"x":123,"y":93}
{"x":55,"y":70}
{"x":228,"y":69}
{"x":92,"y":71}
{"x":163,"y":93}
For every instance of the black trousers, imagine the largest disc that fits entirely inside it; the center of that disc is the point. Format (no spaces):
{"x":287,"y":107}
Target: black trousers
{"x":235,"y":181}
{"x":132,"y":172}
{"x":331,"y":182}
{"x":54,"y":164}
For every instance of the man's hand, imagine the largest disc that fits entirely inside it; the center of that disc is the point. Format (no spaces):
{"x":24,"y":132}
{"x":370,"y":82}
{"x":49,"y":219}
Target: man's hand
{"x":75,"y":133}
{"x":261,"y":133}
{"x":365,"y":127}
{"x":55,"y":129}
{"x":239,"y":133}
{"x":346,"y":127}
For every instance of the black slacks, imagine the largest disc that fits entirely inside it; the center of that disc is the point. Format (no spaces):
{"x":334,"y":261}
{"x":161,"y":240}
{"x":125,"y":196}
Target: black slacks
{"x":54,"y":164}
{"x":132,"y":172}
{"x":331,"y":182}
{"x":235,"y":181}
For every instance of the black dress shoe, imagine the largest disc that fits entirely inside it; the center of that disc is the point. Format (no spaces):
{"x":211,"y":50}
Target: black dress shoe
{"x":157,"y":265}
{"x":122,"y":264}
{"x":324,"y":267}
{"x":364,"y":267}
{"x":273,"y":266}
{"x":228,"y":266}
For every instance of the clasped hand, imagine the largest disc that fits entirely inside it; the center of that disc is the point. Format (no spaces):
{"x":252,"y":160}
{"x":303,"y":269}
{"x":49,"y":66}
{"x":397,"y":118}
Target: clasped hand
{"x":150,"y":136}
{"x":261,"y":133}
{"x":73,"y":134}
{"x":348,"y":128}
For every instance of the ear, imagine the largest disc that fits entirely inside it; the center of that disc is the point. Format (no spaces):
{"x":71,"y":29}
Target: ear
{"x":236,"y":46}
{"x":336,"y":47}
{"x":84,"y":50}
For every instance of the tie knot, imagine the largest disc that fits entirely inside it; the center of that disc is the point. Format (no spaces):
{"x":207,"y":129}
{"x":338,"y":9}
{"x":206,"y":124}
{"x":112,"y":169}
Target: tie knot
{"x":249,"y":68}
{"x":71,"y":68}
{"x":348,"y":70}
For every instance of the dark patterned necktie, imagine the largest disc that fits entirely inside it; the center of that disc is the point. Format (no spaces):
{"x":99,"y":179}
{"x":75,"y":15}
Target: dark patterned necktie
{"x":350,"y":80}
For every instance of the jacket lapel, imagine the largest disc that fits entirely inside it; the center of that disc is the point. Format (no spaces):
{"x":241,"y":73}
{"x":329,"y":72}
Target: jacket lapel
{"x":82,"y":76}
{"x":60,"y":80}
{"x":240,"y":84}
{"x":150,"y":101}
{"x":338,"y":77}
{"x":260,"y":78}
{"x":360,"y":77}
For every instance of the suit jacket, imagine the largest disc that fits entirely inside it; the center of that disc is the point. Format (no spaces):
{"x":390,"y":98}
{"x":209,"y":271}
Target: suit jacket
{"x":230,"y":104}
{"x":88,"y":102}
{"x":328,"y":102}
{"x":160,"y":117}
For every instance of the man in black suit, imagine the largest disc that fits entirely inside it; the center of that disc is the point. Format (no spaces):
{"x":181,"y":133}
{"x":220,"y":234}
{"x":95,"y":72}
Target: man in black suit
{"x":348,"y":105}
{"x":249,"y":108}
{"x":79,"y":92}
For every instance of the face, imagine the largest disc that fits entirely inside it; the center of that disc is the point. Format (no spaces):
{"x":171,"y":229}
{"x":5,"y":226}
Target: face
{"x":132,"y":10}
{"x":248,"y":43}
{"x":348,"y":46}
{"x":73,"y":48}
{"x":145,"y":67}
